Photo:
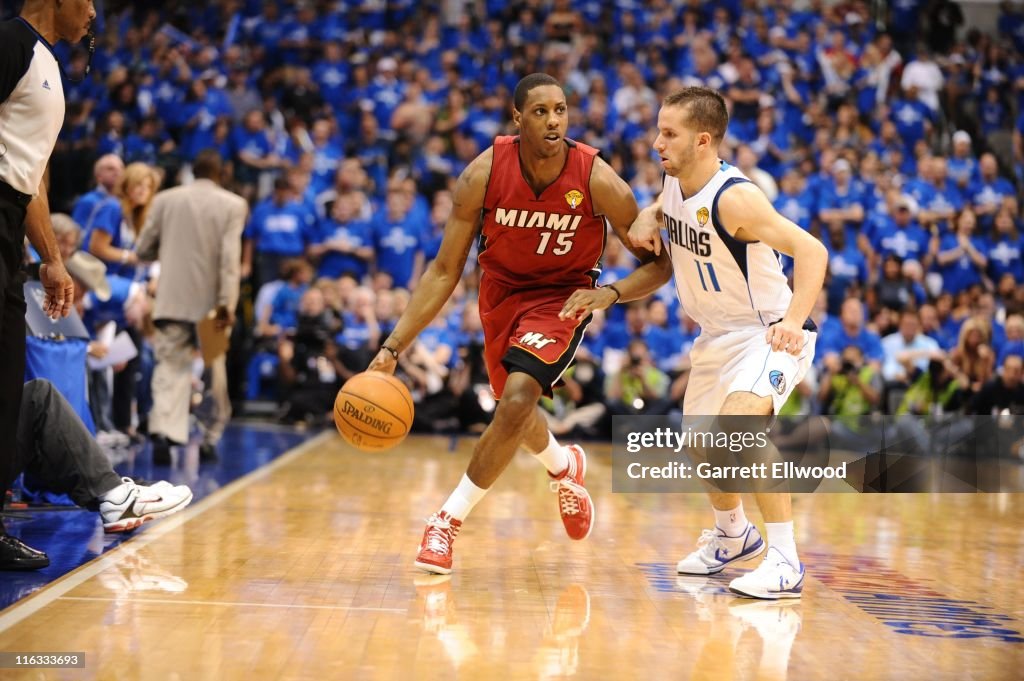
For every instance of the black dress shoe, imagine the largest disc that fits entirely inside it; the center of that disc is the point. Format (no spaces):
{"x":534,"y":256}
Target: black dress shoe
{"x":161,"y":450}
{"x":16,"y":555}
{"x":208,"y":452}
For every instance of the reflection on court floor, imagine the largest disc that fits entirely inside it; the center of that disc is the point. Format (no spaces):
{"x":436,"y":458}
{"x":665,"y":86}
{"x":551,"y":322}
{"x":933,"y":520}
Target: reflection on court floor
{"x":303,"y":569}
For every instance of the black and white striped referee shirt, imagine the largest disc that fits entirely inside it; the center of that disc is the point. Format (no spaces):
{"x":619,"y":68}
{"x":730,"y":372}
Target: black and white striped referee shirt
{"x":31,"y":105}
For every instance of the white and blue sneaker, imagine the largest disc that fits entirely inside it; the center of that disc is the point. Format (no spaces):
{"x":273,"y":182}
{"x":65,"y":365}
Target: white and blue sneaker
{"x":774,"y":578}
{"x":716,"y":550}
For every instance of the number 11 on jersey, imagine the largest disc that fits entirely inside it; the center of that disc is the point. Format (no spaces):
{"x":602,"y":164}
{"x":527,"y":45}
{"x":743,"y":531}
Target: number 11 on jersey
{"x":711,"y":275}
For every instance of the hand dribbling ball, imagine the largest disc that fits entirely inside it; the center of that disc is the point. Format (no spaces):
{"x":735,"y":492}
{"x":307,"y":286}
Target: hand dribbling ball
{"x":373,"y":411}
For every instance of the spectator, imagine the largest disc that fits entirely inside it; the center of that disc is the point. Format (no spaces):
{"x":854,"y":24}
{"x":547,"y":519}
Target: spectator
{"x":638,"y":387}
{"x":1005,"y":250}
{"x":901,"y":235}
{"x":398,"y":240}
{"x":851,"y":331}
{"x":924,"y":76}
{"x":1004,"y":393}
{"x":1014,"y":343}
{"x":850,"y":386}
{"x":972,"y":359}
{"x":935,"y":392}
{"x":99,"y":208}
{"x":897,"y":289}
{"x":307,"y":357}
{"x":960,"y":255}
{"x":280,"y":227}
{"x":254,"y":154}
{"x":987,"y":193}
{"x":195,"y":233}
{"x":908,"y":351}
{"x":57,"y":451}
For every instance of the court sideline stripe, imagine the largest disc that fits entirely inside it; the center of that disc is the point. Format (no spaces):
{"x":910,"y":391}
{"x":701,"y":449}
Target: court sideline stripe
{"x":36,"y":602}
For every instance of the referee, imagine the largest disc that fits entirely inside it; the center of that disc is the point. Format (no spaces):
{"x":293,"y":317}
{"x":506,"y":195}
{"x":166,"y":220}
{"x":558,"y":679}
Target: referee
{"x":31,"y":115}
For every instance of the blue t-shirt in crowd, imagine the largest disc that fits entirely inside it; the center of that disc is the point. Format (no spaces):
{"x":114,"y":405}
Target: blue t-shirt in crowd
{"x":397,"y":244}
{"x":284,"y":309}
{"x":798,"y":208}
{"x":254,"y":142}
{"x":434,"y":337}
{"x":962,"y":273}
{"x":846,"y":267}
{"x":837,"y":340}
{"x":909,"y":243}
{"x":354,"y":334}
{"x":281,"y":230}
{"x":962,"y":171}
{"x":358,"y":234}
{"x":99,"y":312}
{"x":1005,"y":257}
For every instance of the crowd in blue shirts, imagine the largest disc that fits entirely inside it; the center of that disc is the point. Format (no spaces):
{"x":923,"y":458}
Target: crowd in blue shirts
{"x":896,"y":137}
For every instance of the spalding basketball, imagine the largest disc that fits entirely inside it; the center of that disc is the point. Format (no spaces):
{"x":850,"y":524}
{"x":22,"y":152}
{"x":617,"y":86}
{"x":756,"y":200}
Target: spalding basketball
{"x":373,"y":411}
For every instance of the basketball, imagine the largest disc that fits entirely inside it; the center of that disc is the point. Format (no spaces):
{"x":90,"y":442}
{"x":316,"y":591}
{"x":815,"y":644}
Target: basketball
{"x":373,"y":411}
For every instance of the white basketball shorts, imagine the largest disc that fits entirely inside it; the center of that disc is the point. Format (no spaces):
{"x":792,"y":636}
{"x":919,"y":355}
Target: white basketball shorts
{"x":742,"y":361}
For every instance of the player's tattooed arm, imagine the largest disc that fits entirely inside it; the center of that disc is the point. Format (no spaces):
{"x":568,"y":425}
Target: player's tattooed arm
{"x":439,"y":280}
{"x":614,"y":199}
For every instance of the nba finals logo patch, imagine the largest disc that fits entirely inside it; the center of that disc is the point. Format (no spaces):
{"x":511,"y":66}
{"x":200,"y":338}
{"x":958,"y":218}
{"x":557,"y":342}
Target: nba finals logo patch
{"x":777,"y":379}
{"x":702,"y":216}
{"x":574,"y":198}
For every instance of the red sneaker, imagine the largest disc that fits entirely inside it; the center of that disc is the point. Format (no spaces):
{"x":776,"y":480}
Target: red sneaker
{"x":574,"y":502}
{"x":436,"y":548}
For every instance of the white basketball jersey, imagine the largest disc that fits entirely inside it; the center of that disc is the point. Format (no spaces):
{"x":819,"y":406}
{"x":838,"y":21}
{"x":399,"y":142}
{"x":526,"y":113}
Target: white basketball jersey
{"x":724,"y":284}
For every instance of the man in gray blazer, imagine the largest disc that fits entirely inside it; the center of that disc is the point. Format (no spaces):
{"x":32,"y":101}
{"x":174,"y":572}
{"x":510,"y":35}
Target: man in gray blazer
{"x":195,"y":231}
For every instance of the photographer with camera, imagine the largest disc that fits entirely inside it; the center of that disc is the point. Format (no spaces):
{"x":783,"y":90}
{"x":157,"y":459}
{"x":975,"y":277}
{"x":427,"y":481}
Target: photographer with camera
{"x":307,"y":357}
{"x":850,"y":386}
{"x":639,"y":387}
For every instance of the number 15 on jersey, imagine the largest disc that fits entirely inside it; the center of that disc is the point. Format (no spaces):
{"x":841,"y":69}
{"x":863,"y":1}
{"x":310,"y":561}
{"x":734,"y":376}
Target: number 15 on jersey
{"x":564,"y":243}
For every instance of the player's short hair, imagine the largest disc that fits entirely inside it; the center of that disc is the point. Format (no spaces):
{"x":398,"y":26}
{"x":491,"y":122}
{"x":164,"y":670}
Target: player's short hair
{"x":529,"y":82}
{"x":706,"y":109}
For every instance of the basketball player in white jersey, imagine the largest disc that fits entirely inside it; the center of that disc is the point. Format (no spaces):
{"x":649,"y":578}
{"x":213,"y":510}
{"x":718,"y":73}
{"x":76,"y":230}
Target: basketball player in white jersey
{"x":756,"y":341}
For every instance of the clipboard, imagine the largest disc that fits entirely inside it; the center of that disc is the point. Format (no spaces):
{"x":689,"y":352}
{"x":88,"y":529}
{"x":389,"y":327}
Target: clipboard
{"x":213,"y":342}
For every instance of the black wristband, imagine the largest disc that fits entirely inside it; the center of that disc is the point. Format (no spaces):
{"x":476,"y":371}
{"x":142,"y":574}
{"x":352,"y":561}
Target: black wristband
{"x":394,"y":353}
{"x":618,"y":294}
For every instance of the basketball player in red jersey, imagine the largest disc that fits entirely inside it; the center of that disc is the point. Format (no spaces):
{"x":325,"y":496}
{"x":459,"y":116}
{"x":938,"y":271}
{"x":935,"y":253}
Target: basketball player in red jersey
{"x":540,"y":202}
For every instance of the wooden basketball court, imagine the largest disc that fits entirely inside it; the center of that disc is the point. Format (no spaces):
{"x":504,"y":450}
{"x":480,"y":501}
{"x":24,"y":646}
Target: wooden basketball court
{"x":303,"y":570}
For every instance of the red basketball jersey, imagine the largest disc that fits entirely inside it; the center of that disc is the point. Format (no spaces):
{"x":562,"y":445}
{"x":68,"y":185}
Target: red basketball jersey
{"x":552,"y":239}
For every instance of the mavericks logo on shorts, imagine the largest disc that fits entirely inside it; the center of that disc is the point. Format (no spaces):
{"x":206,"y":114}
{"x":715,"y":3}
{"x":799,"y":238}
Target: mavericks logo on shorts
{"x":778,"y":380}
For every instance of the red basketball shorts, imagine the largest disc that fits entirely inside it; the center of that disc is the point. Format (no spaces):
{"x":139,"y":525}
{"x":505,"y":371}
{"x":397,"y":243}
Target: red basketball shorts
{"x":522,"y":332}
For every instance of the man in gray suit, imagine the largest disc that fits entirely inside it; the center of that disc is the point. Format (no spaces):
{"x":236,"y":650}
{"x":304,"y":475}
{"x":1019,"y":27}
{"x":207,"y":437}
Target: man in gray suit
{"x":195,"y":231}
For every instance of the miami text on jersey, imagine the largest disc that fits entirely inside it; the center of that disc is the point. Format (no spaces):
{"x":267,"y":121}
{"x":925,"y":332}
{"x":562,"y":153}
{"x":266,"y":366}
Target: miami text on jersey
{"x":558,"y":222}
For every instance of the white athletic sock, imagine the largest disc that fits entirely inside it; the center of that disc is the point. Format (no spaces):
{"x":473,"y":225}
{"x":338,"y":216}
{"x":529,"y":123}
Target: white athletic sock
{"x":554,"y":457}
{"x":780,"y":535}
{"x":463,"y":499}
{"x":733,"y":522}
